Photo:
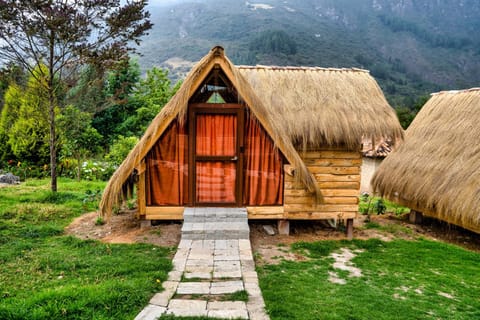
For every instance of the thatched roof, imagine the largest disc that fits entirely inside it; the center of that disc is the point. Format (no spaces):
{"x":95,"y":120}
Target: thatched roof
{"x":323,"y":106}
{"x":436,"y":169}
{"x":313,"y":106}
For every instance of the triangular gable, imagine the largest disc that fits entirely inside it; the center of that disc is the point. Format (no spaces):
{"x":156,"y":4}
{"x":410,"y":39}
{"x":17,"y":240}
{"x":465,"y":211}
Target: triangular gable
{"x":177,"y":108}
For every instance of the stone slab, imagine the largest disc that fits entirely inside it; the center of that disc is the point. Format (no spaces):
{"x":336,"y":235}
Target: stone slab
{"x":193,"y":288}
{"x":226,"y":305}
{"x":228,"y":314}
{"x":223,"y":287}
{"x":162,"y":298}
{"x":197,"y":305}
{"x":150,"y":312}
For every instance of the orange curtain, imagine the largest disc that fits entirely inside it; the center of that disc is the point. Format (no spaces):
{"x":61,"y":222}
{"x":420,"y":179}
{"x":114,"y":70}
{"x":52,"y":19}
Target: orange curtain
{"x":167,"y":168}
{"x":216,"y":135}
{"x":263,"y":172}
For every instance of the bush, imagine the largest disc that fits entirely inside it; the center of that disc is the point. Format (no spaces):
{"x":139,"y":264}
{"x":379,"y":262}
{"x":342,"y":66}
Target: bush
{"x":379,"y":206}
{"x":97,"y":170}
{"x":120,"y":149}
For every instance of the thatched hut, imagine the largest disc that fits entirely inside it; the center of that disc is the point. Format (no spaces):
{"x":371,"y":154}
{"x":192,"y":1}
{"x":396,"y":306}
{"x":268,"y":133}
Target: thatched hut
{"x":436,"y":170}
{"x":281,"y":141}
{"x":374,"y":152}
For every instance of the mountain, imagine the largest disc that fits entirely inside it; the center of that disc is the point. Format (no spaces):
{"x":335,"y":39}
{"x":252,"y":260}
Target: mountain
{"x":412,"y":47}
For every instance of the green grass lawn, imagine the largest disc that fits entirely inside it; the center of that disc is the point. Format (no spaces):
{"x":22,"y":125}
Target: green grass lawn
{"x":400,"y":280}
{"x":45,"y":274}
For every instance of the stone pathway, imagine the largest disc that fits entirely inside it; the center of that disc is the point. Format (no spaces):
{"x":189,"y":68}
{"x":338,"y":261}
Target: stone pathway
{"x":213,"y":264}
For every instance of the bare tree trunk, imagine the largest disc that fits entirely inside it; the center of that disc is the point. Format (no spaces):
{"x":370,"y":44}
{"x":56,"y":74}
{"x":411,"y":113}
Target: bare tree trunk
{"x":51,"y":109}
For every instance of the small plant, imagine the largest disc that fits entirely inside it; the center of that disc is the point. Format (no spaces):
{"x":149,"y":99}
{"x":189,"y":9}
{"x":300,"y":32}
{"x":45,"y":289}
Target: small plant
{"x":379,"y":206}
{"x":91,"y":196}
{"x":131,"y":204}
{"x":99,"y":221}
{"x":116,"y":210}
{"x":372,"y":225}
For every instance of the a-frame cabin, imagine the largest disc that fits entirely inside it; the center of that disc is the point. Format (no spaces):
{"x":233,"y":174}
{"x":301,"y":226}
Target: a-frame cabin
{"x":284,"y":142}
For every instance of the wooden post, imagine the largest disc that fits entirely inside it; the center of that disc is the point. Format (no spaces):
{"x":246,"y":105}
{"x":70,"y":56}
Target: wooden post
{"x":283,"y":227}
{"x":415,"y":217}
{"x":349,"y":229}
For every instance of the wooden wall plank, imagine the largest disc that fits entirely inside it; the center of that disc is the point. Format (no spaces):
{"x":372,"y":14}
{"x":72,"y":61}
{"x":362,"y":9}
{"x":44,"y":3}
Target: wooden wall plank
{"x":321,"y":208}
{"x":335,"y":170}
{"x":326,"y":185}
{"x":322,"y":177}
{"x":326,"y":200}
{"x":331,"y":154}
{"x":325,"y":193}
{"x":333,"y":162}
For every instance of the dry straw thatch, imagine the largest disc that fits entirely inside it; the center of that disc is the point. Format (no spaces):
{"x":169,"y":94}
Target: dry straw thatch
{"x":317,"y":106}
{"x":436,"y":170}
{"x":311,"y":106}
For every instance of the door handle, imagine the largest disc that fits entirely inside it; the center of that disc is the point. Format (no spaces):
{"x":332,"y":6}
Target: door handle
{"x":234,"y":158}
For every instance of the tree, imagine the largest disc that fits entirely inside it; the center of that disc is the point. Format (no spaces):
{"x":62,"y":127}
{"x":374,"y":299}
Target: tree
{"x":11,"y":108}
{"x":77,"y":136}
{"x":28,"y":135}
{"x":9,"y":74}
{"x":64,"y":35}
{"x":88,"y":94}
{"x":119,"y":87}
{"x":149,"y":96}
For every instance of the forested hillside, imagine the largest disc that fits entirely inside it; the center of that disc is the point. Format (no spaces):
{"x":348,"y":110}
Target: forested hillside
{"x":411,"y":47}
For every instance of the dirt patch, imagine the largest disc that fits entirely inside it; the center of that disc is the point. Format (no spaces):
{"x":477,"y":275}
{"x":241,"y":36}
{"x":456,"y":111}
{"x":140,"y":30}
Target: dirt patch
{"x":125,"y":228}
{"x":343,"y":261}
{"x":273,"y":254}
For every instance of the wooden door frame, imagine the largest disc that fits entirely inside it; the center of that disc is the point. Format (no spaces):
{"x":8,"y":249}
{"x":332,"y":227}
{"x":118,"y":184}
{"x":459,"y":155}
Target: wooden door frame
{"x":216,"y":108}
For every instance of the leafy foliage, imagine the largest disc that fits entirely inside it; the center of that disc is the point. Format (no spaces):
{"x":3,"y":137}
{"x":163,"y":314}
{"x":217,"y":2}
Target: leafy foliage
{"x":65,"y":34}
{"x":119,"y":87}
{"x":25,"y":120}
{"x":120,"y":149}
{"x":77,"y":136}
{"x":273,"y":42}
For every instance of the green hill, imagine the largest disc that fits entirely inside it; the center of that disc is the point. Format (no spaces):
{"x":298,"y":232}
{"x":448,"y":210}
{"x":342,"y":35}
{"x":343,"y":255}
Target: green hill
{"x":411,"y":47}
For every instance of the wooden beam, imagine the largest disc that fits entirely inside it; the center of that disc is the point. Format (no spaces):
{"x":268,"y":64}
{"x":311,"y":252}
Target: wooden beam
{"x":265,"y":212}
{"x":349,"y":229}
{"x":164,"y":213}
{"x":141,"y":195}
{"x":283,"y":227}
{"x":320,"y":215}
{"x":141,"y":167}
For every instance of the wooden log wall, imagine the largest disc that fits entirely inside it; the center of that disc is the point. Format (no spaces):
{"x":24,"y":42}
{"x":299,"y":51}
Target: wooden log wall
{"x":337,"y":173}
